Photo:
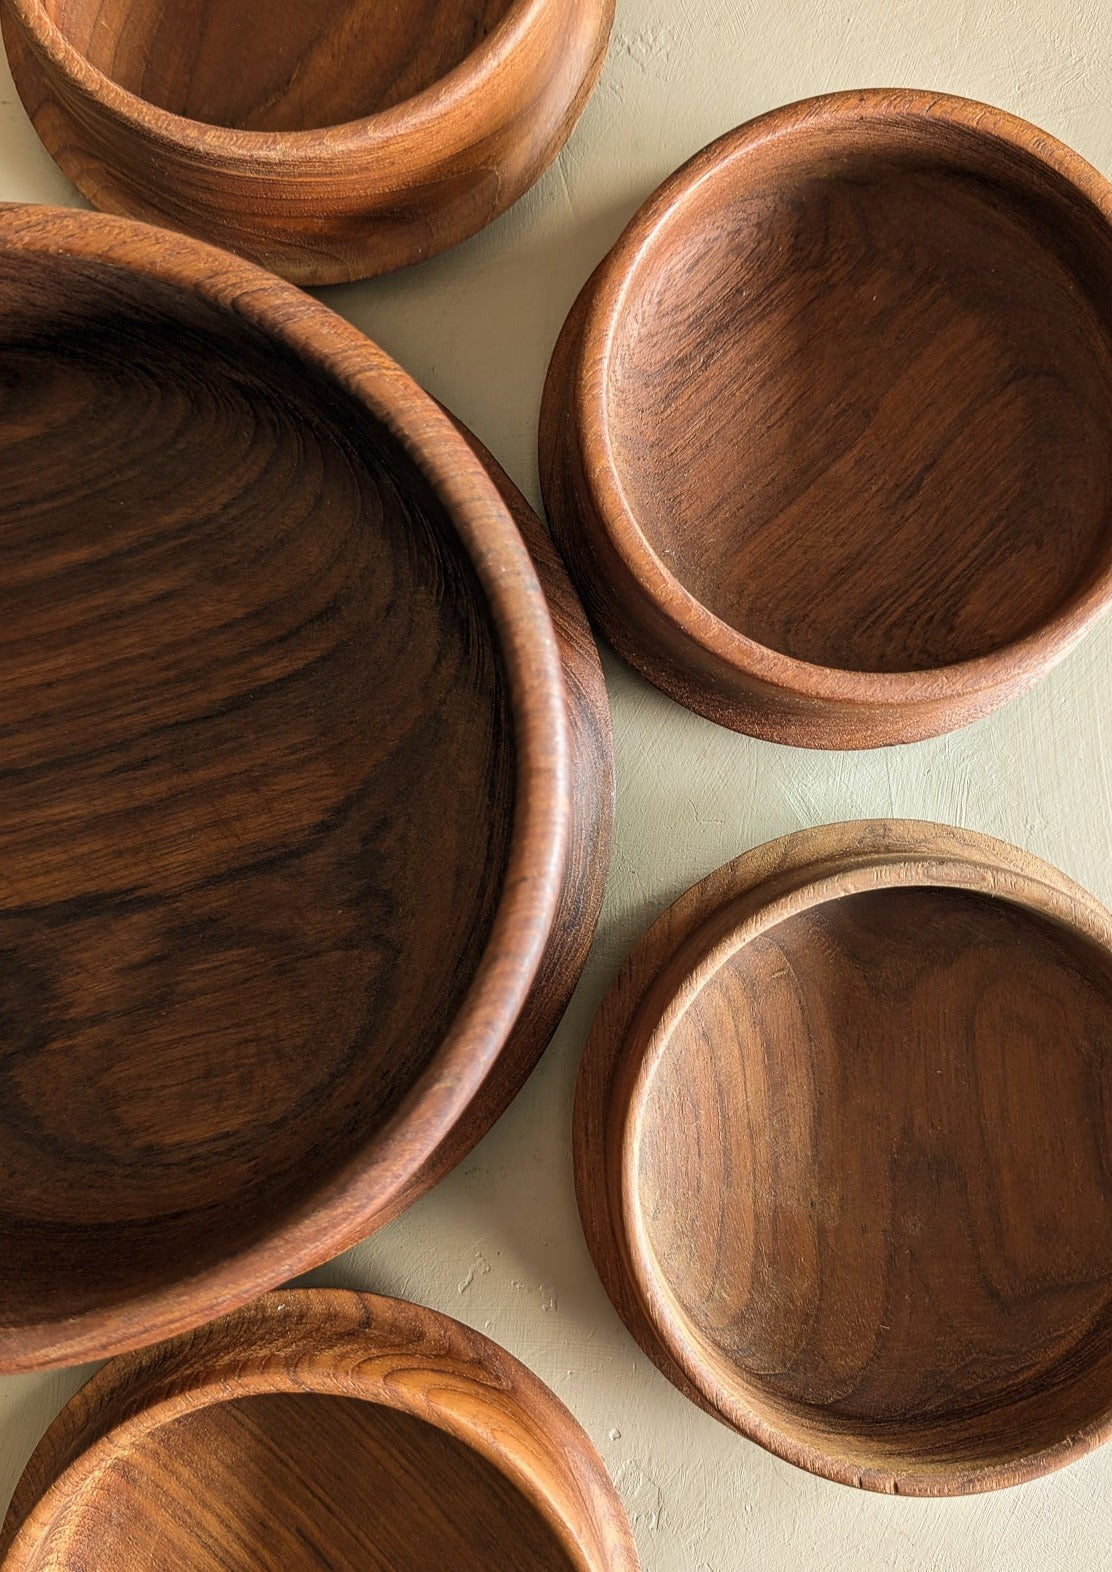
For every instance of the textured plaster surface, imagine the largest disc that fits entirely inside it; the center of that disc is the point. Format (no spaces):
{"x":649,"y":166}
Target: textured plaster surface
{"x":498,"y":1244}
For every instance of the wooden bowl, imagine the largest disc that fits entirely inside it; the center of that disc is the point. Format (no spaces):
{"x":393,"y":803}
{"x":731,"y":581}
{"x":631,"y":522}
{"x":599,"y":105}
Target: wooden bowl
{"x":318,"y":1429}
{"x":844,"y":1156}
{"x":305,"y":806}
{"x":827,"y":438}
{"x":328,"y":141}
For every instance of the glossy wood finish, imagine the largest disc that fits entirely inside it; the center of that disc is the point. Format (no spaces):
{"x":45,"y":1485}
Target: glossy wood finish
{"x":289,"y":841}
{"x":315,"y":1429}
{"x":843,"y":1147}
{"x":827,"y":438}
{"x":331,"y":141}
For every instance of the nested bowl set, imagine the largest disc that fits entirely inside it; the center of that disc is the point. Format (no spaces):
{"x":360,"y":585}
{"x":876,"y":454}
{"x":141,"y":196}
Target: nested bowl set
{"x":306,"y":792}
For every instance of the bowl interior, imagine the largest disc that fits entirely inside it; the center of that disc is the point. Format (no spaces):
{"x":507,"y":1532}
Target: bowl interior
{"x":257,"y":784}
{"x":889,"y":1232}
{"x":295,"y":68}
{"x":281,"y":1483}
{"x":860,"y":393}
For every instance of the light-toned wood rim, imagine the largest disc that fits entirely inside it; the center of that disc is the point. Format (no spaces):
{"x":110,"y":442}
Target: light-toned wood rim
{"x":339,"y":1343}
{"x":679,"y":954}
{"x":269,"y":148}
{"x":602,"y":310}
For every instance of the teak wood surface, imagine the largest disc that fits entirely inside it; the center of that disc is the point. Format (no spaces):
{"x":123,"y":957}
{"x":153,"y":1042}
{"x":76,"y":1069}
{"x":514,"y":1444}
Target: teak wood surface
{"x":327,"y":141}
{"x":305,"y":804}
{"x":317,"y":1429}
{"x":827,"y":437}
{"x":843,"y":1149}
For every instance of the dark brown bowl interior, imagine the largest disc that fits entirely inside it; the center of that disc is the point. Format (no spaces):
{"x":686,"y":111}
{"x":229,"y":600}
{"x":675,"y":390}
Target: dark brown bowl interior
{"x":288,"y":67}
{"x":286,"y":1483}
{"x":256,"y":788}
{"x":892,"y":1236}
{"x":860,"y":395}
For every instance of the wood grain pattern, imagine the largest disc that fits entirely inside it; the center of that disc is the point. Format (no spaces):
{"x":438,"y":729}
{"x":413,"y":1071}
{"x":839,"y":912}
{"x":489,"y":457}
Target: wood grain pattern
{"x":843,"y":1153}
{"x":306,"y":68}
{"x":331,"y":141}
{"x":288,"y":838}
{"x":317,"y":1429}
{"x":828,"y":435}
{"x":590,"y":841}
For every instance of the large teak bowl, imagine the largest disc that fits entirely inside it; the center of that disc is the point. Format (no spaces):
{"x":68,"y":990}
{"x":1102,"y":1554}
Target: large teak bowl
{"x":294,"y":879}
{"x":317,"y":1429}
{"x":328,"y":140}
{"x":827,"y":438}
{"x":844,"y":1155}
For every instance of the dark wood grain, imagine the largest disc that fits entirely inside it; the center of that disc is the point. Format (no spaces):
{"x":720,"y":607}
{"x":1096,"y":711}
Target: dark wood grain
{"x":289,"y":842}
{"x":828,"y":435}
{"x":317,"y":1429}
{"x":327,"y":141}
{"x":590,"y":841}
{"x":844,"y":1155}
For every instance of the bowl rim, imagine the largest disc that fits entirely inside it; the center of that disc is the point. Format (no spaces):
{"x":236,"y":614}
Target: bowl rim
{"x":345,"y":1207}
{"x":607,"y":294}
{"x":132,"y":1397}
{"x":697,"y":933}
{"x":369,"y":136}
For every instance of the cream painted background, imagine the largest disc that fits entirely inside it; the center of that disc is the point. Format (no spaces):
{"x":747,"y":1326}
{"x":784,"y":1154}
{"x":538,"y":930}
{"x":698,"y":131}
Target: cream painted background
{"x":498,"y":1244}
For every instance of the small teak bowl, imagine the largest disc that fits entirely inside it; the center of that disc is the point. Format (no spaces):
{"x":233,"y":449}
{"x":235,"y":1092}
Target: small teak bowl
{"x":844,"y":1157}
{"x":328,"y":141}
{"x":827,"y":437}
{"x":312,"y":1429}
{"x":306,"y":801}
